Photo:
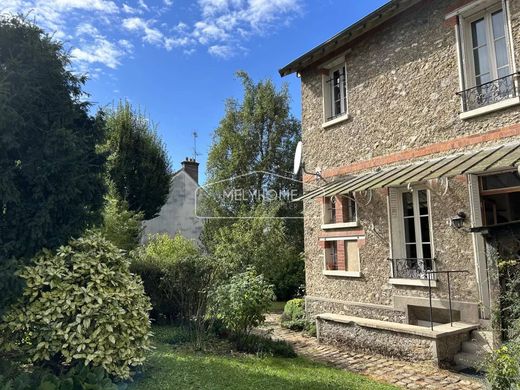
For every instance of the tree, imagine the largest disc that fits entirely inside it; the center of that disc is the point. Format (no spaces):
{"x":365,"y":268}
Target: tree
{"x":253,"y":150}
{"x":51,"y":174}
{"x":262,"y":242}
{"x":122,"y":227}
{"x":138,"y":164}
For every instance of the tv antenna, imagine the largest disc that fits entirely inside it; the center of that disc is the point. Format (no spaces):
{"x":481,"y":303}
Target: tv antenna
{"x":195,"y":136}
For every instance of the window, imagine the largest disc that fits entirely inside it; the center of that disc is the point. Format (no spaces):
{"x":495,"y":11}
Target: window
{"x":340,"y":209}
{"x":342,"y":255}
{"x":487,"y":58}
{"x":412,"y":251}
{"x":335,"y":92}
{"x":500,"y":198}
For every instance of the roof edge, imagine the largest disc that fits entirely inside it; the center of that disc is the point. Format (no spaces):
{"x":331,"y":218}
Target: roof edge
{"x":364,"y":25}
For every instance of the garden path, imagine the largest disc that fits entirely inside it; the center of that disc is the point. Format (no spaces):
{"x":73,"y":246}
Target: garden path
{"x":406,"y":375}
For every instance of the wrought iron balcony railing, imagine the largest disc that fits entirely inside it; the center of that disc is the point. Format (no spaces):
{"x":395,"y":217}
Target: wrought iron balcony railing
{"x":489,"y":93}
{"x":412,"y":268}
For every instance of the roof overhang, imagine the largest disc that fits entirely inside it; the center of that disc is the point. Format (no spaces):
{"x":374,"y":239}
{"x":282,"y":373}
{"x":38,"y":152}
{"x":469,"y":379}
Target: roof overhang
{"x":476,"y":162}
{"x":341,"y":40}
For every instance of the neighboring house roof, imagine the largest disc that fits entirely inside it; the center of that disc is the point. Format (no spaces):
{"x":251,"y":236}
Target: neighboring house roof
{"x":341,"y":40}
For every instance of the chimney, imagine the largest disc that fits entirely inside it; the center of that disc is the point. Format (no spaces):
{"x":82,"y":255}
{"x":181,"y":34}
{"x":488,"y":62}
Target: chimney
{"x":192,"y":168}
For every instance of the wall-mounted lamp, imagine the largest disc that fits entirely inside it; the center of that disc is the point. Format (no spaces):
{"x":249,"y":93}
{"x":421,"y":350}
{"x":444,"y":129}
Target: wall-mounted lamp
{"x":458,"y":220}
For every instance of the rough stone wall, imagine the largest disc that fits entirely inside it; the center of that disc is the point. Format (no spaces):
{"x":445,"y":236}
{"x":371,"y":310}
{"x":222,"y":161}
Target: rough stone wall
{"x":402,"y":80}
{"x":398,"y":345}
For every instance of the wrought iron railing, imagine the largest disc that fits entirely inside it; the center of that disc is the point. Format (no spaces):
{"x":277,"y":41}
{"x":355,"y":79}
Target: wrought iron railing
{"x":412,"y":268}
{"x":489,"y":93}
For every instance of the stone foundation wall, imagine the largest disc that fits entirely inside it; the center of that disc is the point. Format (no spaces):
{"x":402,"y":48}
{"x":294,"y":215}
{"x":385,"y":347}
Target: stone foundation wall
{"x":400,"y":345}
{"x":397,"y":345}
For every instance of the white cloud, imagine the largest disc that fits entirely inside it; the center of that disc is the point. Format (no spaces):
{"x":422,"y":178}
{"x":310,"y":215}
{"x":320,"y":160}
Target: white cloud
{"x":87,"y":29}
{"x":221,"y":51}
{"x":143,"y":5}
{"x":89,"y":5}
{"x":100,"y":51}
{"x":130,"y":10}
{"x":150,"y":34}
{"x":168,"y":3}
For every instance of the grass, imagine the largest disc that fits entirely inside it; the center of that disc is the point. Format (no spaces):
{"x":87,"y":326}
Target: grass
{"x":176,"y":365}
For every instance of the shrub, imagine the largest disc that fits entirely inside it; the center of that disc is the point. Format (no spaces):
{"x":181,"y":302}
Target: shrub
{"x":263,"y":346}
{"x":242,"y":302}
{"x":81,"y":305}
{"x":176,"y":277}
{"x":293,"y":316}
{"x":79,"y":377}
{"x":503,"y":367}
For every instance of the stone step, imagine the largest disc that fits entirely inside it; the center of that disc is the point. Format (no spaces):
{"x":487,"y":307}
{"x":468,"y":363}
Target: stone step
{"x":482,"y":336}
{"x":467,"y":360}
{"x":475,"y":347}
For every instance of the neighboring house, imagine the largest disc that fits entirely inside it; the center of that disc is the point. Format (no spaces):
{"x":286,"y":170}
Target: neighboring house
{"x":178,"y":215}
{"x":412,"y":116}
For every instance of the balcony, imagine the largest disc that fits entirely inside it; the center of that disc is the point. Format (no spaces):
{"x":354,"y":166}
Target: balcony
{"x":416,"y":269}
{"x":490,"y":93}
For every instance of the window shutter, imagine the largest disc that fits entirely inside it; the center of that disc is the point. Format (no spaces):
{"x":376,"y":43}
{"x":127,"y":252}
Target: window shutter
{"x":325,"y":90}
{"x":474,"y":201}
{"x":395,"y":223}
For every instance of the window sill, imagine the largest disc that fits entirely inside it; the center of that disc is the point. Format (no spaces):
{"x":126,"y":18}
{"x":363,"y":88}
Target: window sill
{"x":491,"y":108}
{"x":412,"y":282}
{"x":342,"y":225}
{"x":335,"y":121}
{"x":345,"y":274}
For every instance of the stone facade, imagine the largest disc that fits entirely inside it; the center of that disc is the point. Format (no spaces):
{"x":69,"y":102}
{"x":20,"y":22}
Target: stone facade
{"x":402,"y":82}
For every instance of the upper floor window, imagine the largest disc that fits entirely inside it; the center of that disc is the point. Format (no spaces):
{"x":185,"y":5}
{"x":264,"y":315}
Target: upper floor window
{"x":487,"y":59}
{"x":339,"y":210}
{"x":335,"y":92}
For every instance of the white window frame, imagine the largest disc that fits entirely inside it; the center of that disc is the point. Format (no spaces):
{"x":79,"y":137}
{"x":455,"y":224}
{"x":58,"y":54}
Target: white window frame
{"x":330,"y":118}
{"x":326,"y":219}
{"x":469,"y":71}
{"x":342,"y":273}
{"x":397,"y":231}
{"x":466,"y":15}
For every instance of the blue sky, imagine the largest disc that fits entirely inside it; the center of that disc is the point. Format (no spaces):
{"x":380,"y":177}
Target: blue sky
{"x":176,"y":59}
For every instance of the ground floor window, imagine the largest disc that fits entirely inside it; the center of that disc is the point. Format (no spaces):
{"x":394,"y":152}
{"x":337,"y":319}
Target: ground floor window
{"x":500,"y":198}
{"x":342,"y":255}
{"x":411,"y":236}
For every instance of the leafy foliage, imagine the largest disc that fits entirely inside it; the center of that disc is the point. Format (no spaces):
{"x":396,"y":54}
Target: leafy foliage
{"x":256,"y":135}
{"x":51,"y":174}
{"x":121,"y":226}
{"x":241,"y":303}
{"x":78,"y":377}
{"x":263,"y":243}
{"x":81,"y":305}
{"x":503,"y":367}
{"x":293,"y":316}
{"x":176,"y":277}
{"x":138,"y":164}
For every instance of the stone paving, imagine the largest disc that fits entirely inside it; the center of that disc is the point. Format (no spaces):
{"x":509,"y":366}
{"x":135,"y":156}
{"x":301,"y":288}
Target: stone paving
{"x":403,"y":374}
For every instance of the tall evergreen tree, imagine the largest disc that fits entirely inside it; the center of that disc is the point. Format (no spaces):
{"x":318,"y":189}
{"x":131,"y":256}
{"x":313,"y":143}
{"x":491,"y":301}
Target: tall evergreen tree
{"x":138,"y":165}
{"x":51,"y":174}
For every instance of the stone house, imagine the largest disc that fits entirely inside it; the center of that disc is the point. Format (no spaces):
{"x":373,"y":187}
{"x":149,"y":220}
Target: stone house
{"x":411,"y":116}
{"x":178,"y":215}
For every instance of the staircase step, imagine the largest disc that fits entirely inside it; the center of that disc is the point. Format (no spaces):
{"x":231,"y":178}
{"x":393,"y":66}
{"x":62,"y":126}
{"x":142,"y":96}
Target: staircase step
{"x":465,"y":360}
{"x":482,"y":337}
{"x":474,"y":347}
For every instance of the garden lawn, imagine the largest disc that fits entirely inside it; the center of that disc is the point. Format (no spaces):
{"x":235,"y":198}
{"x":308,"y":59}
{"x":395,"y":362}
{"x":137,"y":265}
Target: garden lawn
{"x":179,"y":366}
